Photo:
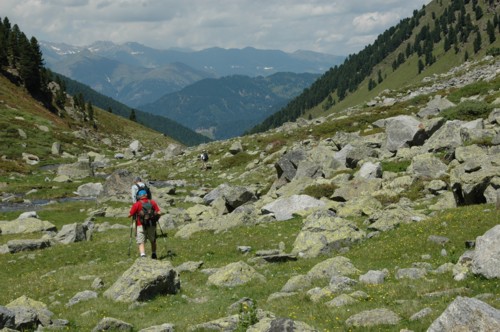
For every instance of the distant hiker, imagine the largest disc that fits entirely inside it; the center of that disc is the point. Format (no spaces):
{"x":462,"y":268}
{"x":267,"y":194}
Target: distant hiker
{"x":204,"y":159}
{"x":146,"y":214}
{"x":138,"y":185}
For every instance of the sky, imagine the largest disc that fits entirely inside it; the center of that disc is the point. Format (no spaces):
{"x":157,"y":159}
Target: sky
{"x":339,"y":27}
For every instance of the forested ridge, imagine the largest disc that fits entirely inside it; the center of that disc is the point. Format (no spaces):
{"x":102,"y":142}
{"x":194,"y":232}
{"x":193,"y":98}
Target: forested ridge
{"x":456,"y":23}
{"x":22,"y":62}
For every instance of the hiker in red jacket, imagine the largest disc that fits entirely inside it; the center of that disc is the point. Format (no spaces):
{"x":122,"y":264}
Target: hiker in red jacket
{"x":146,"y":213}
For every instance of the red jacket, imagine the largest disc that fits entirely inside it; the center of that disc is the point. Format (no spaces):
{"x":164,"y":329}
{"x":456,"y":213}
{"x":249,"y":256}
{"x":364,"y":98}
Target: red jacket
{"x":138,"y":207}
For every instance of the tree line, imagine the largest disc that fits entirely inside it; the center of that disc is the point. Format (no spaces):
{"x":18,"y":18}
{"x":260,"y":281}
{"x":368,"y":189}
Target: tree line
{"x":21,"y":61}
{"x":453,"y":28}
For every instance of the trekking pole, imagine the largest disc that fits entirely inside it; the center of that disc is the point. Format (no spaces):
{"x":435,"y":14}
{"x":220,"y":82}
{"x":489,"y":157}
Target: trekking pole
{"x":130,"y":240}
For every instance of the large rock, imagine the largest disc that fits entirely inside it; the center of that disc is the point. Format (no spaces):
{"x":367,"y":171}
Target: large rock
{"x":446,"y":138}
{"x":356,"y":188}
{"x":486,"y":258}
{"x":373,"y":317}
{"x":335,"y":266}
{"x":7,"y":318}
{"x":217,"y":223}
{"x":427,"y":166}
{"x":233,"y":196}
{"x":392,"y":216}
{"x":470,"y":179}
{"x":71,"y":233}
{"x":27,"y":245}
{"x":467,"y":314}
{"x":435,"y":106}
{"x":26,"y":225}
{"x":284,"y":208}
{"x":112,"y":324}
{"x":234,"y":274}
{"x":144,"y":280}
{"x":404,"y":131}
{"x":79,"y":170}
{"x":287,"y":165}
{"x":30,"y":313}
{"x":323,"y":232}
{"x":280,"y":324}
{"x":90,"y":190}
{"x":118,"y":186}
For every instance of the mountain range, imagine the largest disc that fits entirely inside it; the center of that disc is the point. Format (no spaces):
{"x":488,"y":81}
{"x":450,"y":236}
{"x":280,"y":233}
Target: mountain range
{"x":135,"y":74}
{"x":218,"y":92}
{"x":227,"y":107}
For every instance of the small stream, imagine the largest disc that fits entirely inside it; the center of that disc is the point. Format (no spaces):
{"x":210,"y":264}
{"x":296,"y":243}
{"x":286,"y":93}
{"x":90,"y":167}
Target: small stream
{"x":38,"y":204}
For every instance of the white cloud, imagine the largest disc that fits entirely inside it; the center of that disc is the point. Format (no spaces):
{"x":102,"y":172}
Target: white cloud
{"x":331,"y":26}
{"x":373,"y":21}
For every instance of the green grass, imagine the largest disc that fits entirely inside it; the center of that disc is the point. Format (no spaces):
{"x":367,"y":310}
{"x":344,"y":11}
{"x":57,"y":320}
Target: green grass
{"x":395,"y":166}
{"x":53,"y":275}
{"x":468,"y":111}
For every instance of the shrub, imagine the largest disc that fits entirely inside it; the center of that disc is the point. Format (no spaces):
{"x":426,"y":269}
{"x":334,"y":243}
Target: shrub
{"x":474,"y":89}
{"x":239,"y":159}
{"x":467,"y":111}
{"x":320,"y":190}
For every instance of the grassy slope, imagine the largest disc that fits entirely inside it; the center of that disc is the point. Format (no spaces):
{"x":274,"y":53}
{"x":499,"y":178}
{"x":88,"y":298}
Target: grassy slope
{"x":407,"y":74}
{"x":55,"y":275}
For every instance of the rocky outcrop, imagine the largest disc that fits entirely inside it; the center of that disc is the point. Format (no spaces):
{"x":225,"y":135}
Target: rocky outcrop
{"x":486,"y":258}
{"x":26,"y":225}
{"x":234,"y":274}
{"x":144,"y":280}
{"x":467,"y":314}
{"x":284,"y":208}
{"x":323,"y":232}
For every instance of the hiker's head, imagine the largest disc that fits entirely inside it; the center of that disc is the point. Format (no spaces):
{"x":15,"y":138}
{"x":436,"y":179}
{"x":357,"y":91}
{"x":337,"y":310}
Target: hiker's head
{"x":142,"y":193}
{"x":137,"y":179}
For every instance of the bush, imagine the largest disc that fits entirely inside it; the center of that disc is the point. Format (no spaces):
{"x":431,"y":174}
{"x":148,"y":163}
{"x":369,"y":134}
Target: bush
{"x":239,"y":159}
{"x":474,"y":89}
{"x":467,"y":111}
{"x":320,"y":190}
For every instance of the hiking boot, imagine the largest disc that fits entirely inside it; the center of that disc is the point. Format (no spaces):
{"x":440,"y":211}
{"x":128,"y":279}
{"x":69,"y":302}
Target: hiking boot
{"x":153,"y":256}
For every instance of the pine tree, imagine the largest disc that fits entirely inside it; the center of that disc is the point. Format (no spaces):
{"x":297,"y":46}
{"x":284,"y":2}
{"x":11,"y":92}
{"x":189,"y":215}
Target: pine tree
{"x":132,"y":116}
{"x":479,"y":12}
{"x":491,"y":32}
{"x":29,"y":65}
{"x":420,"y":66}
{"x":4,"y":60}
{"x":477,"y":42}
{"x":371,"y":84}
{"x":90,"y":111}
{"x":13,"y":46}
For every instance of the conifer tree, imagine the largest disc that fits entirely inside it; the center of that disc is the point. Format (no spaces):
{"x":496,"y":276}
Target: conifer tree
{"x":491,"y":32}
{"x":420,"y":66}
{"x":479,"y":12}
{"x":29,"y":65}
{"x":477,"y":42}
{"x":90,"y":111}
{"x":371,"y":84}
{"x":13,"y":46}
{"x":3,"y":45}
{"x":132,"y":116}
